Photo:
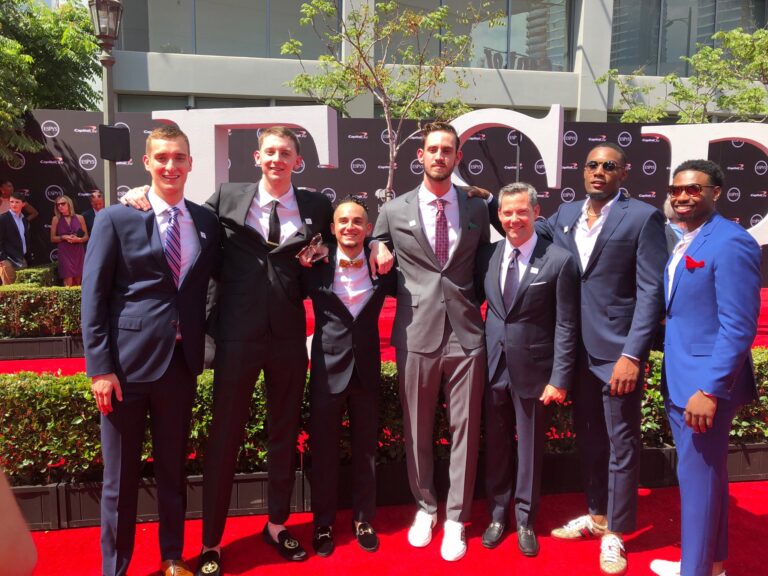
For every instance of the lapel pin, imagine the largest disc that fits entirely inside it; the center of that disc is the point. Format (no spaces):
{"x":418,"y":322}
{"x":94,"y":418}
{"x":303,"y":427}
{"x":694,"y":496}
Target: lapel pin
{"x":308,"y":221}
{"x":202,"y":235}
{"x":534,"y":270}
{"x":565,"y":229}
{"x":411,"y":223}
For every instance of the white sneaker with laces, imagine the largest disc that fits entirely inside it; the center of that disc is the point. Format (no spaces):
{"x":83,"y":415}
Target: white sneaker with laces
{"x":613,"y":558}
{"x":454,"y":541}
{"x":669,"y":568}
{"x":420,"y":533}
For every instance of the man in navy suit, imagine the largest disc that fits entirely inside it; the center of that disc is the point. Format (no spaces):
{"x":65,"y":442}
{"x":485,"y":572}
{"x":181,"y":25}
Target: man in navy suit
{"x":14,"y":239}
{"x":143,"y":316}
{"x":346,"y":371}
{"x":712,"y":288}
{"x":531,"y":337}
{"x":620,"y":248}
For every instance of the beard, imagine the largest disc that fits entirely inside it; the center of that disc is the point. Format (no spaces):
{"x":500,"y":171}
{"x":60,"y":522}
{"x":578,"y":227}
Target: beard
{"x":600,"y":195}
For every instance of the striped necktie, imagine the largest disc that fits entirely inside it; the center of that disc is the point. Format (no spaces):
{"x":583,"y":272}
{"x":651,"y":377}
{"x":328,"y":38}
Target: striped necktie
{"x":173,"y":243}
{"x":441,"y":233}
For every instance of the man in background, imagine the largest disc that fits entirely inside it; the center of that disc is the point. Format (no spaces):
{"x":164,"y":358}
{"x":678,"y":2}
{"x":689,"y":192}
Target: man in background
{"x":6,"y":189}
{"x":14,"y":239}
{"x":97,"y":204}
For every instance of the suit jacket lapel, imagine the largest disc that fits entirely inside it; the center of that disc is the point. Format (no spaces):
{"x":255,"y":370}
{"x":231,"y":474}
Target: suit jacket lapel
{"x":413,"y":214}
{"x":155,"y":243}
{"x":690,"y":251}
{"x":536,"y":261}
{"x":572,"y":222}
{"x":202,"y":240}
{"x":463,"y":221}
{"x":494,"y":294}
{"x":615,"y":216}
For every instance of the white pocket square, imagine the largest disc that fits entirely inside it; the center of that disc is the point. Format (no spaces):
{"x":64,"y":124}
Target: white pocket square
{"x":537,"y":283}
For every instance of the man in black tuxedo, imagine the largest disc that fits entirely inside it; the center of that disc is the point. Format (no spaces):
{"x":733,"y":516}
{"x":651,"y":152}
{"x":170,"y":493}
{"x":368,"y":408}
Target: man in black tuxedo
{"x":346,"y":371}
{"x":14,"y":239}
{"x":531,"y":336}
{"x":143,"y":316}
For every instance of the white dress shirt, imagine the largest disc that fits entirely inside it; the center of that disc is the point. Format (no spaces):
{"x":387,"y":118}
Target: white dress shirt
{"x":19,"y":220}
{"x":526,"y":251}
{"x":190,"y":245}
{"x":287,"y":212}
{"x":585,"y":236}
{"x":353,"y":286}
{"x":677,"y":255}
{"x":428,"y":211}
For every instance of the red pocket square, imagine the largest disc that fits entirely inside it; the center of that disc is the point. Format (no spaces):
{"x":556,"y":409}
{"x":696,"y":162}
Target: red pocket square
{"x":690,"y":263}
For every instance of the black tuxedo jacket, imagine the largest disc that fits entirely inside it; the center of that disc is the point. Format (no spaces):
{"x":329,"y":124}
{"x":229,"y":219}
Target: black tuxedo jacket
{"x":342,"y":343}
{"x":260,"y":288}
{"x":11,"y":247}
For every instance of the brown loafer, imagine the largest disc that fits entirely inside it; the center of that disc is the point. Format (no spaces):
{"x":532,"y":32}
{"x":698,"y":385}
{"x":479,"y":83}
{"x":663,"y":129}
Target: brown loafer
{"x":175,"y":568}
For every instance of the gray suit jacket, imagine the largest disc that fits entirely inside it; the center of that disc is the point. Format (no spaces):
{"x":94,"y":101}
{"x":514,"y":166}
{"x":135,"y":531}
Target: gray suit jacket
{"x":426,"y":294}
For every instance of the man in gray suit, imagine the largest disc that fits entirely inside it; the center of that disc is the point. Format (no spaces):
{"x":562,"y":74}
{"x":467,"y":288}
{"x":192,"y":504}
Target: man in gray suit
{"x":435,"y":230}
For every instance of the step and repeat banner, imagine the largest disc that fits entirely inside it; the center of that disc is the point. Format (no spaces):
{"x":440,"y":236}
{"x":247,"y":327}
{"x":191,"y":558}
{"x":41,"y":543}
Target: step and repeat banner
{"x":70,"y":164}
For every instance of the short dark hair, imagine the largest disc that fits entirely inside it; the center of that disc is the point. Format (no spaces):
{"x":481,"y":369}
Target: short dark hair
{"x":615,"y":148}
{"x":350,"y":199}
{"x":283,"y":132}
{"x":18,"y":195}
{"x":5,"y":181}
{"x":711,"y":169}
{"x":167,"y":132}
{"x":439,"y":127}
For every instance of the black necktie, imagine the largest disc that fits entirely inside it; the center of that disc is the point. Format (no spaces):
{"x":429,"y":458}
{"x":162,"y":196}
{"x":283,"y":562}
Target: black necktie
{"x":274,"y":225}
{"x":511,"y":282}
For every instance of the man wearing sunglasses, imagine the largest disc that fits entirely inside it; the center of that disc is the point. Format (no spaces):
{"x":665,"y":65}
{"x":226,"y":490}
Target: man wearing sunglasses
{"x":712,"y":289}
{"x":620,"y":248}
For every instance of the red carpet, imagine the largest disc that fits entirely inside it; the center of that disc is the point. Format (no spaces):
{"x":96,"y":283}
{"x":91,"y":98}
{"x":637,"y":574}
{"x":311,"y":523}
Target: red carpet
{"x":76,"y":551}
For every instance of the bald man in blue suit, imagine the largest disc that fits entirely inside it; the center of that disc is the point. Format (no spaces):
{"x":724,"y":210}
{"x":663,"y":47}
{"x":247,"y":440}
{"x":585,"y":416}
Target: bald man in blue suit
{"x":712,"y":288}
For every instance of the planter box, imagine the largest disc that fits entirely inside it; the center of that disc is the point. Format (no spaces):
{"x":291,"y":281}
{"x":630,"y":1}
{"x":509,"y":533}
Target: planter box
{"x":748,"y":462}
{"x":38,"y":505}
{"x":23,"y":348}
{"x":76,"y":349}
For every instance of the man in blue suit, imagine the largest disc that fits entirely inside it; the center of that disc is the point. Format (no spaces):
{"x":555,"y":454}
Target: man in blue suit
{"x":712,"y":288}
{"x":143,"y":315}
{"x":620,"y":248}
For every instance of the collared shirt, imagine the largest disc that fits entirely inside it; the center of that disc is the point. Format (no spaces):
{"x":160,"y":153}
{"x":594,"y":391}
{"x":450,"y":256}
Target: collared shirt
{"x":287,"y":212}
{"x":677,"y":255}
{"x":526,"y":251}
{"x":190,"y":245}
{"x":19,"y":220}
{"x":428,"y":211}
{"x":586,"y":237}
{"x":353,"y":286}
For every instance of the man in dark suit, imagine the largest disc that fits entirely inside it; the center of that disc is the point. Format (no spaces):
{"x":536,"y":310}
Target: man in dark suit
{"x":346,"y":371}
{"x":14,"y":239}
{"x":436,"y":230}
{"x":712,"y":288}
{"x":97,"y":205}
{"x":619,"y":246}
{"x":531,"y":338}
{"x":143,"y":316}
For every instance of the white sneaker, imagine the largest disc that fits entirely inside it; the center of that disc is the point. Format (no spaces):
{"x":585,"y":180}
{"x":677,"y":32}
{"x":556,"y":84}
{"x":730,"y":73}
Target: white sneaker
{"x":613,"y":557}
{"x":454,"y":542}
{"x":420,"y":533}
{"x":669,"y":568}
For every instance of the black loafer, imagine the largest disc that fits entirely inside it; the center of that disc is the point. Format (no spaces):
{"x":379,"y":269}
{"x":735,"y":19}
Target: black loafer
{"x":527,"y":541}
{"x":288,"y":547}
{"x":209,"y":564}
{"x":322,"y":541}
{"x":366,"y":536}
{"x":493,"y":534}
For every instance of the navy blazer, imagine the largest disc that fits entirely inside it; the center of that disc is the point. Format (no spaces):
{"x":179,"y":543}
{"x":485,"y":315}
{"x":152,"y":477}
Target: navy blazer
{"x":342,"y":343}
{"x":539,"y":334}
{"x":712,"y":316}
{"x":130,"y":305}
{"x":622,"y":299}
{"x":11,"y":247}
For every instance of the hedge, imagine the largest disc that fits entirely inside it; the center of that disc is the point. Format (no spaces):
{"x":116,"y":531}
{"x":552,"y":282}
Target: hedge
{"x":29,"y":311}
{"x":49,"y":425}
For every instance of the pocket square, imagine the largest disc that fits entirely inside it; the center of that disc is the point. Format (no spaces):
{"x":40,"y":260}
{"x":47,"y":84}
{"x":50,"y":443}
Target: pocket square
{"x":472,"y":226}
{"x":537,"y":283}
{"x":690,"y":263}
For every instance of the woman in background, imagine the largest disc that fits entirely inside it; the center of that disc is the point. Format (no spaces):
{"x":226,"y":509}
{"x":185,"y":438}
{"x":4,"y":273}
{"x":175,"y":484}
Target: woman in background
{"x":69,"y":231}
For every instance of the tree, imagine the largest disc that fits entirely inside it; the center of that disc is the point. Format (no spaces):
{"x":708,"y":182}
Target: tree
{"x":400,"y":55}
{"x":728,"y":81}
{"x":47,"y":59}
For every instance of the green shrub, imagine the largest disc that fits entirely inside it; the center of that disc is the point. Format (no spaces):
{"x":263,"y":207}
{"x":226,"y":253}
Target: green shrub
{"x":47,"y":275}
{"x":33,"y":311}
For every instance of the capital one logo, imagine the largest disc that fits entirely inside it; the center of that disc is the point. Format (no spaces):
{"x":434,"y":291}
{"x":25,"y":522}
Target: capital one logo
{"x":567,"y":195}
{"x":539,"y":166}
{"x":733,"y":194}
{"x":53,"y":191}
{"x":49,"y":129}
{"x":761,"y":167}
{"x":87,"y":162}
{"x":329,"y":193}
{"x":513,"y":137}
{"x":475,"y":167}
{"x":649,"y":167}
{"x":624,"y":139}
{"x":17,"y":161}
{"x":358,"y":166}
{"x":755,"y":220}
{"x":300,"y":168}
{"x":387,"y":135}
{"x":570,"y":138}
{"x":417,"y":167}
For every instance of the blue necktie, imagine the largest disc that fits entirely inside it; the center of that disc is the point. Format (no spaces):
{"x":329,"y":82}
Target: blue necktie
{"x":173,"y":244}
{"x":512,"y":281}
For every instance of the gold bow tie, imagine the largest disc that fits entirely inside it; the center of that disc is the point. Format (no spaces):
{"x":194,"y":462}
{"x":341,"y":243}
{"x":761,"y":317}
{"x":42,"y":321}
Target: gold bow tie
{"x":351,"y":263}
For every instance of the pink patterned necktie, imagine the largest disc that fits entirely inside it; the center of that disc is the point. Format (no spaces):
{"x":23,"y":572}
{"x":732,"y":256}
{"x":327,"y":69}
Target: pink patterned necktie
{"x":441,"y":233}
{"x":173,"y":244}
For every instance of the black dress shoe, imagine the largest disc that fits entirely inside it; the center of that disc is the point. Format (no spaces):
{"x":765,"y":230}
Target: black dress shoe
{"x":527,"y":541}
{"x":493,"y":534}
{"x":322,"y":541}
{"x":209,"y":564}
{"x":288,"y":547}
{"x":366,"y":536}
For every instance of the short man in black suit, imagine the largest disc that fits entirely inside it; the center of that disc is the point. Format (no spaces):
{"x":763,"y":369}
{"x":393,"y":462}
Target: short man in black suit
{"x":346,"y":366}
{"x":143,"y":316}
{"x":97,"y":205}
{"x":14,"y":239}
{"x":531,"y":336}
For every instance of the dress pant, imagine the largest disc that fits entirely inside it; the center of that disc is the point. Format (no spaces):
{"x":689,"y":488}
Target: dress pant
{"x":168,"y":401}
{"x":460,"y":374}
{"x":237,"y":367}
{"x":608,"y":438}
{"x":325,"y":413}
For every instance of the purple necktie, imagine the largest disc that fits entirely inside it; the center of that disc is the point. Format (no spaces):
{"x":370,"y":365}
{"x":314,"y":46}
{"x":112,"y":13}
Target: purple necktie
{"x":441,"y":233}
{"x":173,"y":244}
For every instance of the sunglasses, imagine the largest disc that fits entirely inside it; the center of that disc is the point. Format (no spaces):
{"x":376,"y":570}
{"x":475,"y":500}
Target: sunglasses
{"x":693,"y":190}
{"x":608,"y":165}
